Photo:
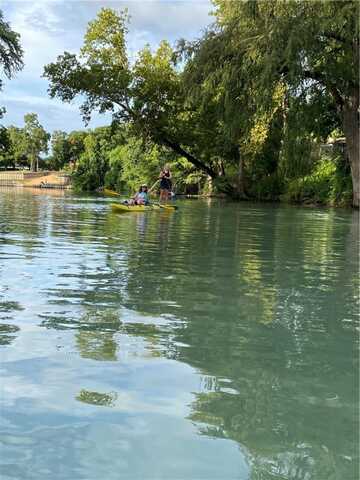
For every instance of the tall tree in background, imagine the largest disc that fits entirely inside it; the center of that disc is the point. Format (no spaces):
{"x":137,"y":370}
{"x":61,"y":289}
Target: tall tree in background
{"x":16,"y":151}
{"x":4,"y":146}
{"x":60,"y":146}
{"x":35,"y":140}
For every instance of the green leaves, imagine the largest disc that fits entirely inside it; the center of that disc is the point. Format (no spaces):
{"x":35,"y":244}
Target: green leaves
{"x":35,"y":139}
{"x":230,"y":102}
{"x":24,"y":145}
{"x":11,"y":52}
{"x":100,"y":73}
{"x":11,"y":62}
{"x":104,"y":42}
{"x":61,"y":150}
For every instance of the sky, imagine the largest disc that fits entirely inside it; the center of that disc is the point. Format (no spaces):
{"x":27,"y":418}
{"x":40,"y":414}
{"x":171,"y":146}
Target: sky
{"x":49,"y":27}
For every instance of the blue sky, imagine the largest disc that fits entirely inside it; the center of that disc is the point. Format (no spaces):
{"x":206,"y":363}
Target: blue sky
{"x":48,"y":27}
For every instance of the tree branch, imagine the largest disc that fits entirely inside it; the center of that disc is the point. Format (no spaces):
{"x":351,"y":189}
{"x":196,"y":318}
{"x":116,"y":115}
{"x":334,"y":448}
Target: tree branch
{"x":329,"y":85}
{"x":173,"y":145}
{"x":335,"y":36}
{"x":197,"y":163}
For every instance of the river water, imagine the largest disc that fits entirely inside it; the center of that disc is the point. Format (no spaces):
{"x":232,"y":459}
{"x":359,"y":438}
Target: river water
{"x":216,"y":342}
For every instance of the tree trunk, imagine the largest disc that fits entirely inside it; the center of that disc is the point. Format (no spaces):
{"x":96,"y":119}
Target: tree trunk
{"x":195,"y":161}
{"x":210,"y":183}
{"x":33,"y":164}
{"x":240,"y":179}
{"x":223,"y":187}
{"x":351,"y":130}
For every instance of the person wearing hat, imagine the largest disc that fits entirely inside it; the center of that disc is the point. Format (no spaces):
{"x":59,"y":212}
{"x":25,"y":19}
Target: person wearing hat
{"x":142,"y":197}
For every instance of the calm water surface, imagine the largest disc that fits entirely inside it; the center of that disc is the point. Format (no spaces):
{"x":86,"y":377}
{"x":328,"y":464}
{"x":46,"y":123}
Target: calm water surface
{"x":217,"y":342}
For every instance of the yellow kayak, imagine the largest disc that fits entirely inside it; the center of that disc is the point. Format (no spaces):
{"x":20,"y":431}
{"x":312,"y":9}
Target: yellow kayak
{"x":121,"y":207}
{"x":111,"y":193}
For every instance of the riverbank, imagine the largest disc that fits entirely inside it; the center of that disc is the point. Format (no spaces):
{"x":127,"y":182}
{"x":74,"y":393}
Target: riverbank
{"x":43,"y":179}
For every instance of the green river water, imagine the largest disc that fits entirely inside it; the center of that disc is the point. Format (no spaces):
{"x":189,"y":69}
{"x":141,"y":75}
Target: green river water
{"x":216,"y":342}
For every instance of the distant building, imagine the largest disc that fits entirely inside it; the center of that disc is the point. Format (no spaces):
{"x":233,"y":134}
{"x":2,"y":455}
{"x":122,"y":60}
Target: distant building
{"x":334,"y":146}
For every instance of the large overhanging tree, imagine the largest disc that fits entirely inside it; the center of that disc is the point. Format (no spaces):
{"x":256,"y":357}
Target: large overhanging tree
{"x":310,"y":47}
{"x":259,"y":54}
{"x":149,"y":94}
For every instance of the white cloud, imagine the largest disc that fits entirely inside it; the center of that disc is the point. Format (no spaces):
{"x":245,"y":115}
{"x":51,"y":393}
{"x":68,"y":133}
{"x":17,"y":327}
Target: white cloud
{"x":36,"y":101}
{"x":53,"y":115}
{"x":43,"y":35}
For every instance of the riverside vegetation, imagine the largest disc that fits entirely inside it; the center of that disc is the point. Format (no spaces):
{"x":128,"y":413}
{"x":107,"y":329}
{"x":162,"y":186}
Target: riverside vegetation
{"x":240,"y":111}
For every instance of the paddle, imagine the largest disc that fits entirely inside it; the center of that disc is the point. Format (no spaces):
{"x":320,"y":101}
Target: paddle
{"x":165,"y":207}
{"x":157,"y":181}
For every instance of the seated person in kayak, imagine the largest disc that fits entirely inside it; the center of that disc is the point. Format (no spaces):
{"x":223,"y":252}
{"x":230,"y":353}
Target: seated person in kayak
{"x":141,"y":197}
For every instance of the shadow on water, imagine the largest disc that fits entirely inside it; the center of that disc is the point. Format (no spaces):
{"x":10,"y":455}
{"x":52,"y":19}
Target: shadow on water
{"x":260,"y":301}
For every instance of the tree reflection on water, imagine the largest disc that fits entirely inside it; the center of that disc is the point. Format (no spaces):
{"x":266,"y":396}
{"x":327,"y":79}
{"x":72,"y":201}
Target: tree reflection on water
{"x":96,"y":398}
{"x":253,"y":298}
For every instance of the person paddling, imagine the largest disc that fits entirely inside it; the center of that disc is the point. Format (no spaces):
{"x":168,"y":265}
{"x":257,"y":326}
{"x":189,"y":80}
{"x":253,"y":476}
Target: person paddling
{"x":141,"y":197}
{"x":165,"y":183}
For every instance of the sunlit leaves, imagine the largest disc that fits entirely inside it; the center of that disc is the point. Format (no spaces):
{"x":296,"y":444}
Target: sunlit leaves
{"x":104,"y":42}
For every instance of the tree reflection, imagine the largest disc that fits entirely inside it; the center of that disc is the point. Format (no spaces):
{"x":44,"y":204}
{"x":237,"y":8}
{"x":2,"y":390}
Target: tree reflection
{"x":252,"y":321}
{"x":96,"y":398}
{"x":7,"y":333}
{"x":9,"y":306}
{"x":255,"y":300}
{"x":24,"y":220}
{"x":95,"y":331}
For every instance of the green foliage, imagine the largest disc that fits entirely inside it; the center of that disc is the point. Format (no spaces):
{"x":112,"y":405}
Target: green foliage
{"x":131,"y":165}
{"x":113,"y":177}
{"x":24,"y":145}
{"x":4,"y":139}
{"x":147,"y":95}
{"x":11,"y":52}
{"x":35,"y":139}
{"x":92,"y":165}
{"x":298,"y":40}
{"x":245,"y":105}
{"x":11,"y":55}
{"x":61,"y":153}
{"x":328,"y":184}
{"x":104,"y":41}
{"x":76,"y":141}
{"x":16,"y":154}
{"x":312,"y":48}
{"x":285,"y":62}
{"x":7,"y":158}
{"x":267,"y":188}
{"x":117,"y":160}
